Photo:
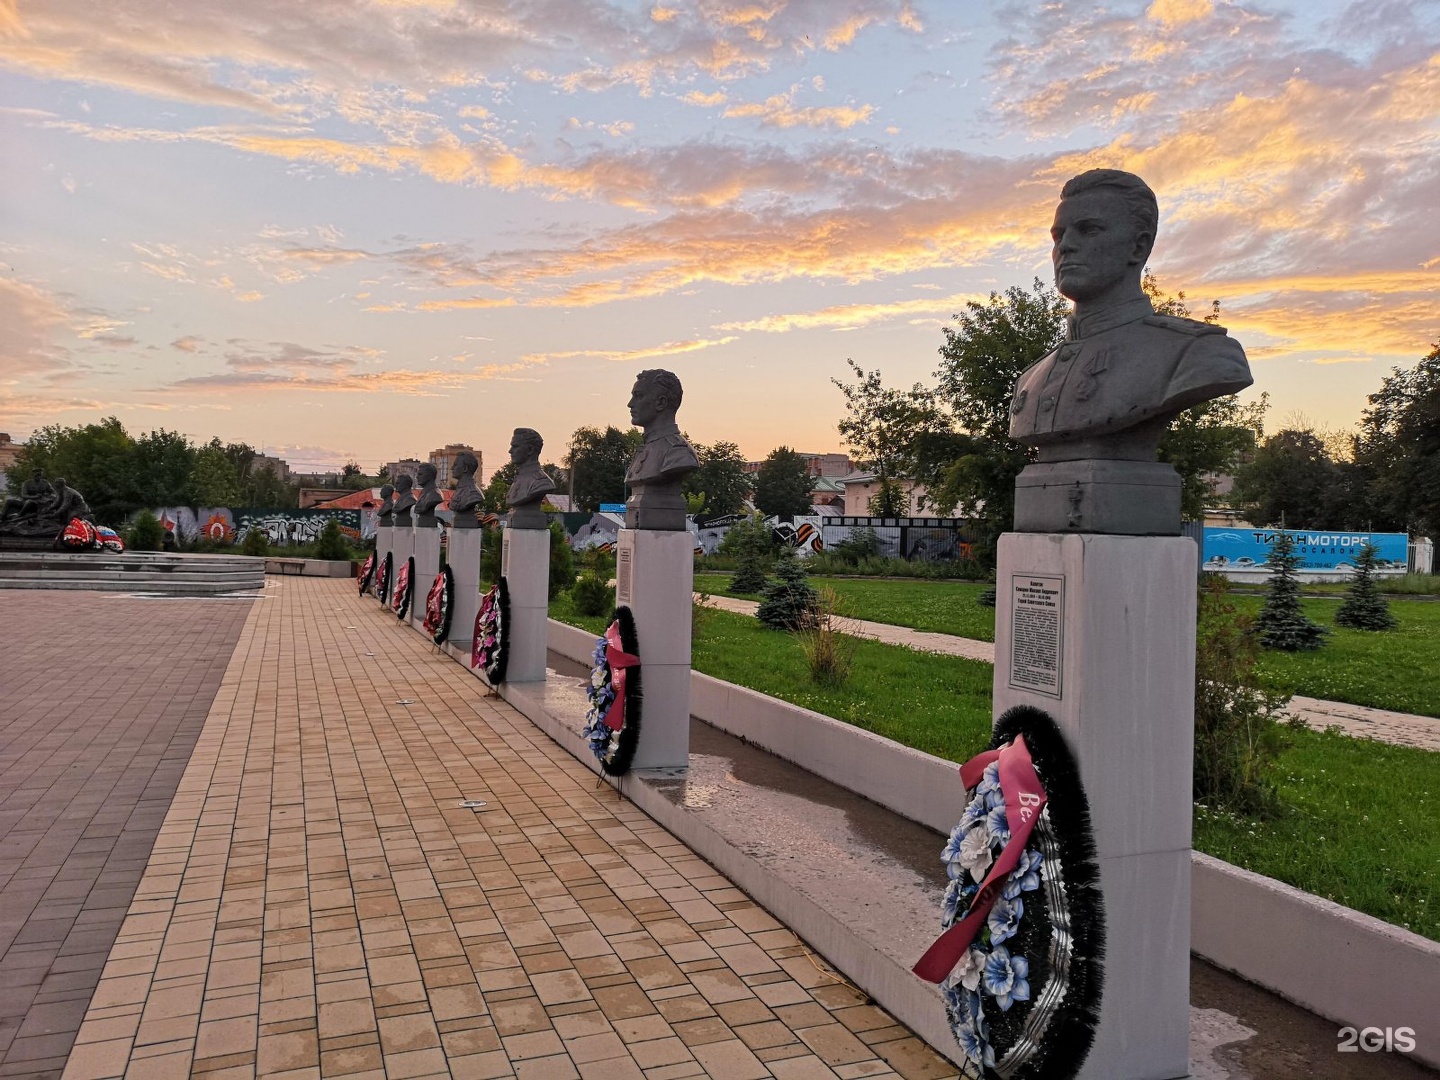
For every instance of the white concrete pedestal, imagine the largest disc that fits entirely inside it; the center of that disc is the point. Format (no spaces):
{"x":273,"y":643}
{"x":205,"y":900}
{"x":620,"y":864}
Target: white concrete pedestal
{"x":463,"y":558}
{"x":403,"y":541}
{"x":654,"y":578}
{"x":427,"y":565}
{"x":383,"y":542}
{"x":525,"y":564}
{"x":1099,"y":632}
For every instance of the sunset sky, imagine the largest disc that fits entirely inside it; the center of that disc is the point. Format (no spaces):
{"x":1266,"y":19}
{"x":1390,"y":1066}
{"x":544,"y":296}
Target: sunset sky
{"x":366,"y":228}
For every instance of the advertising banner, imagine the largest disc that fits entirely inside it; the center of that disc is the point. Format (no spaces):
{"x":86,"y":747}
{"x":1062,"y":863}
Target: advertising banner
{"x":1319,"y":551}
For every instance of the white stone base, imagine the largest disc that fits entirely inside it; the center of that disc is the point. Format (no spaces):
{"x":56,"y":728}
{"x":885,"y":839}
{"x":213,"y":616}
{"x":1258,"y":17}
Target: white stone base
{"x":383,"y":542}
{"x":1123,"y":693}
{"x":654,"y":578}
{"x":463,"y":558}
{"x":427,"y":565}
{"x":525,"y":564}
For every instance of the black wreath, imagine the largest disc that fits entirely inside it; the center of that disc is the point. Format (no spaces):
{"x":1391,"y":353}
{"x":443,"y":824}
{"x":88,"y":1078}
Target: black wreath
{"x":367,"y":571}
{"x":404,"y":608}
{"x":447,"y":605}
{"x":498,"y":659}
{"x":382,"y":578}
{"x":617,"y":762}
{"x":1065,"y":828}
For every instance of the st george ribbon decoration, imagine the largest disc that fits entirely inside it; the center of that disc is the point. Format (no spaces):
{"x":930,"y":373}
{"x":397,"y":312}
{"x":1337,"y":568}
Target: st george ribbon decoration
{"x":1024,"y":799}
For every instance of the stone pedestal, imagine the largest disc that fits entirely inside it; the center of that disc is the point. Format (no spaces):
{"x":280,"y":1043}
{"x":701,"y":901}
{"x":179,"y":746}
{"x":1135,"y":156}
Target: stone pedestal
{"x":1099,"y":631}
{"x":525,"y":564}
{"x":402,"y":540}
{"x":427,"y":565}
{"x":463,"y":558}
{"x":654,"y":578}
{"x":383,"y":542}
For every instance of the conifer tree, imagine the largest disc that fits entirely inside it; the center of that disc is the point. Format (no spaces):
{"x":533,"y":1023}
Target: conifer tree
{"x":1281,"y":623}
{"x":790,"y":601}
{"x":1364,"y":608}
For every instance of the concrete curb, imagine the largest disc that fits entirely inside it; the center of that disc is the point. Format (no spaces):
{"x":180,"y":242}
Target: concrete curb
{"x":1290,"y":942}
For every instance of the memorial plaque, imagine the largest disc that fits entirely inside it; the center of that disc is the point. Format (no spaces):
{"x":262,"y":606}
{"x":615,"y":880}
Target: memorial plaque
{"x":624,"y":575}
{"x":504,"y":557}
{"x":1037,"y":612}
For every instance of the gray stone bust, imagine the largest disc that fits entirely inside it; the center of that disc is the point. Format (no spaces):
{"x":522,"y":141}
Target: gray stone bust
{"x":466,"y":498}
{"x":404,"y":499}
{"x":664,"y":461}
{"x":531,"y":484}
{"x":1096,"y":407}
{"x":384,"y":517}
{"x":429,"y":498}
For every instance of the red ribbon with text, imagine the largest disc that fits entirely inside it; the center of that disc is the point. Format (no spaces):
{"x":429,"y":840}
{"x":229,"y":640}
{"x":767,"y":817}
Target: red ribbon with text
{"x":620,"y":661}
{"x":1024,"y":799}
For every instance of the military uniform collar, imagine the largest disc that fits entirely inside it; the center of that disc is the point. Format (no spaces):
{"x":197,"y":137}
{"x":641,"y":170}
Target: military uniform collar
{"x":1107,"y":318}
{"x":660,"y":430}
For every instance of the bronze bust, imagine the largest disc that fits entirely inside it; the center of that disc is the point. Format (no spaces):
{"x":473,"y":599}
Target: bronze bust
{"x":428,"y":499}
{"x":404,"y":499}
{"x":531,"y":483}
{"x":466,"y":498}
{"x":383,"y":516}
{"x":666,"y":458}
{"x":1096,"y":407}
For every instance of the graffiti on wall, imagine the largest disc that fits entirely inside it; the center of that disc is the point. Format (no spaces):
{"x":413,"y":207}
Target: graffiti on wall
{"x":226,"y":525}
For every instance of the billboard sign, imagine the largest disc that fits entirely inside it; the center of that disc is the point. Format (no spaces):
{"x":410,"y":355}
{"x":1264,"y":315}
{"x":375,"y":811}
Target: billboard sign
{"x":1319,"y":551}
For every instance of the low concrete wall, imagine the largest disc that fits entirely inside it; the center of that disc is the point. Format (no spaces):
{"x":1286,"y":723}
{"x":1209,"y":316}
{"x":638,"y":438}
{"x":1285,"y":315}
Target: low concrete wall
{"x":311,"y":567}
{"x":1337,"y":962}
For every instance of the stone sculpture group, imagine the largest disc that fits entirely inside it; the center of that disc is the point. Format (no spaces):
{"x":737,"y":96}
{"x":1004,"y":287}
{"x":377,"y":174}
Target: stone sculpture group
{"x":42,"y":509}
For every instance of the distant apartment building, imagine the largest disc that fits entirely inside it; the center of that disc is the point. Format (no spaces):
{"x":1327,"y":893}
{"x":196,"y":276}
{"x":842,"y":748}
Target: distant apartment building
{"x":9,"y":451}
{"x":861,"y":487}
{"x":444,"y":462}
{"x":817,"y":464}
{"x":408,"y":466}
{"x":280,"y":465}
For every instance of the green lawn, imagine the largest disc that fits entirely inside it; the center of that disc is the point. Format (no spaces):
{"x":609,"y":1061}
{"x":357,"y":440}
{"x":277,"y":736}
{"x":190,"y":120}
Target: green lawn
{"x":1399,"y":670}
{"x":1360,"y":826}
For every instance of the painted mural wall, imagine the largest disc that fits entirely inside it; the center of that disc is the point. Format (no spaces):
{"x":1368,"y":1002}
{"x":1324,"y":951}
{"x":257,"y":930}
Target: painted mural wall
{"x":230,"y":525}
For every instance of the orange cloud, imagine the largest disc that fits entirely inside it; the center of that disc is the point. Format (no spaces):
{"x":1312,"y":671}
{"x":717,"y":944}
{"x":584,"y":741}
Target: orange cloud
{"x":853,"y":316}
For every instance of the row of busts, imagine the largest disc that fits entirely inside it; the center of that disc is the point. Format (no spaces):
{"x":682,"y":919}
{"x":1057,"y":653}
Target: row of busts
{"x":405,"y":507}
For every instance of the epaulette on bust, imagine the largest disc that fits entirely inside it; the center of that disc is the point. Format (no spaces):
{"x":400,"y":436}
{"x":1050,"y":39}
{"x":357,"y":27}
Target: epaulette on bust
{"x":1193,"y":327}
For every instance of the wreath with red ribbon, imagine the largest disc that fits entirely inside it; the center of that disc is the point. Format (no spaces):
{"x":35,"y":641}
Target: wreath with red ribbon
{"x":612,"y":726}
{"x":490,"y":650}
{"x":404,"y":586}
{"x":439,"y":603}
{"x":382,"y":577}
{"x":367,"y":571}
{"x":1019,"y":963}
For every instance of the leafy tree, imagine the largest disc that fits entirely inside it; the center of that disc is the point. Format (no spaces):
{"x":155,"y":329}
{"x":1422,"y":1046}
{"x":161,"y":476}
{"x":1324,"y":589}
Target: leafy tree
{"x":213,"y":481}
{"x":562,"y":560}
{"x":262,"y":487}
{"x":1364,"y":607}
{"x":1398,"y":451}
{"x":162,"y":462}
{"x":597,"y":460}
{"x":501,"y":479}
{"x":721,"y":480}
{"x":145,"y":533}
{"x":883,"y":427}
{"x":1281,"y":623}
{"x":789,"y":602}
{"x":1290,"y":480}
{"x":783,"y":484}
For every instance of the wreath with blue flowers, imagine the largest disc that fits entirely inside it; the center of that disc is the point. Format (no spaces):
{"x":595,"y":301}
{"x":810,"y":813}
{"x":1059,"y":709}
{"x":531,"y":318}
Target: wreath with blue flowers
{"x":1023,"y":998}
{"x":490,"y":651}
{"x":612,"y":726}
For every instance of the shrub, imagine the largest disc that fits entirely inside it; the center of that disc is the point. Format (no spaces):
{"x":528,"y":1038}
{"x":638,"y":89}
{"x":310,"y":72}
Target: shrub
{"x":1238,"y":736}
{"x":702,"y":610}
{"x":562,"y":560}
{"x":1281,"y":623}
{"x":828,"y":642}
{"x":789,"y":601}
{"x":750,"y":543}
{"x":599,"y":561}
{"x":331,"y":542}
{"x":987,"y":597}
{"x":592,"y":594}
{"x":861,"y":544}
{"x":490,"y":554}
{"x":145,"y":532}
{"x":255,"y":543}
{"x":1364,"y":608}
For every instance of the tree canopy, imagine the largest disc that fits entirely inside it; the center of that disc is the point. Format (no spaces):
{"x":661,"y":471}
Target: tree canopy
{"x":885,"y":428}
{"x":783,"y":484}
{"x":721,"y":481}
{"x":597,"y":461}
{"x":1397,"y":453}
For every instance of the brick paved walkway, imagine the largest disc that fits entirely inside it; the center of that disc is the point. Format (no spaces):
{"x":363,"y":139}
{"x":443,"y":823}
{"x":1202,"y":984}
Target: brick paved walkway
{"x":318,"y":901}
{"x":101,"y":699}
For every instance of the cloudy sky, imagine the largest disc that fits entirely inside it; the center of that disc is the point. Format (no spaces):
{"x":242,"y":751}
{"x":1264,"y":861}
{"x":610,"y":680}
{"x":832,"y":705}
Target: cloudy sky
{"x":366,"y":228}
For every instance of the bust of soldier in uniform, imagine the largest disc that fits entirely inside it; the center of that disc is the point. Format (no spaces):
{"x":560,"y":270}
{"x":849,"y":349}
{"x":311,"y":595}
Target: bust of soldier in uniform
{"x":531,"y":483}
{"x":383,"y":518}
{"x":1096,"y":407}
{"x":466,"y":497}
{"x":665,"y":459}
{"x":404,"y":499}
{"x":429,"y":498}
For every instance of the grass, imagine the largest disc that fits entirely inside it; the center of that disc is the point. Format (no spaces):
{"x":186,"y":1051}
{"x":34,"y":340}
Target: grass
{"x":944,"y":607}
{"x":1360,"y":828}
